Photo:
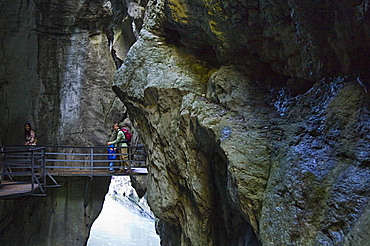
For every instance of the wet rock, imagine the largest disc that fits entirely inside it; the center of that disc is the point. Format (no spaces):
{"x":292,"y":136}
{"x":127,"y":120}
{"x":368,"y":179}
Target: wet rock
{"x":56,"y":73}
{"x":63,"y":217}
{"x":62,"y":51}
{"x":254,"y":114}
{"x":311,"y":184}
{"x":203,"y":92}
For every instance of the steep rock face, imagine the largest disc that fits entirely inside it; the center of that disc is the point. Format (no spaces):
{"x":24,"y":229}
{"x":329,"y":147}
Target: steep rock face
{"x":189,"y":183}
{"x":56,"y":73}
{"x":19,"y":53}
{"x":297,"y":38}
{"x":254,"y":113}
{"x":64,"y":217}
{"x":320,"y":176}
{"x":256,"y":128}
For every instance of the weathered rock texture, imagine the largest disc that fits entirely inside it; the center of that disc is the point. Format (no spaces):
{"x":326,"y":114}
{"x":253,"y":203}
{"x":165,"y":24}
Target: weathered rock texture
{"x":255,"y":115}
{"x":56,"y":73}
{"x":64,"y":217}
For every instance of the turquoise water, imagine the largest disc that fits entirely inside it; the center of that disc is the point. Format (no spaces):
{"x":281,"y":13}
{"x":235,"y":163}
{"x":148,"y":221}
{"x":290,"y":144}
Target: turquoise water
{"x":119,"y":226}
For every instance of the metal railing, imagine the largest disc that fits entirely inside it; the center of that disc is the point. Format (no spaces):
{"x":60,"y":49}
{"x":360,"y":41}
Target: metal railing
{"x":92,"y":161}
{"x":24,"y":166}
{"x":33,"y":165}
{"x":54,"y":159}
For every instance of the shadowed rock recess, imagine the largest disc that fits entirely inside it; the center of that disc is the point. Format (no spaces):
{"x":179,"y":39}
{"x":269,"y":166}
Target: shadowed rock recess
{"x":254,"y":114}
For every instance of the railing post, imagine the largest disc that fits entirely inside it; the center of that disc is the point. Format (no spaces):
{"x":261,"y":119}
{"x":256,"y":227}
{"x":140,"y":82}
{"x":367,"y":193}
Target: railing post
{"x":1,"y":164}
{"x":7,"y":167}
{"x":43,"y":165}
{"x":32,"y":170}
{"x":129,"y":157}
{"x":91,"y":162}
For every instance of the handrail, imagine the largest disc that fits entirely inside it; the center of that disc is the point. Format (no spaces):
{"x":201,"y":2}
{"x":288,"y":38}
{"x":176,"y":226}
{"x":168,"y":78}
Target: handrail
{"x":92,"y":157}
{"x":22,"y":150}
{"x":24,"y":162}
{"x":38,"y":163}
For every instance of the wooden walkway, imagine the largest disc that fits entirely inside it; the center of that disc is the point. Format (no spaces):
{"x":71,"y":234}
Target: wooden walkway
{"x":29,"y":171}
{"x":134,"y":171}
{"x":15,"y":189}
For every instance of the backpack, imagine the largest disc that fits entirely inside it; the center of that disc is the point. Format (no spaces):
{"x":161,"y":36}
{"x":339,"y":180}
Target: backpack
{"x":127,"y":133}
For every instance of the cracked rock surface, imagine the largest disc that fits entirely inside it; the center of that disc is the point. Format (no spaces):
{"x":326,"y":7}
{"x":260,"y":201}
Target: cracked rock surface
{"x":254,"y":114}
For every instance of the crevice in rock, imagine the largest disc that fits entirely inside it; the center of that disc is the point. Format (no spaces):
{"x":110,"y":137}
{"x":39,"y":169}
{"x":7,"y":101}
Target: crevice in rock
{"x":234,"y":230}
{"x":200,"y":50}
{"x":116,"y":60}
{"x":168,"y":228}
{"x":228,"y":224}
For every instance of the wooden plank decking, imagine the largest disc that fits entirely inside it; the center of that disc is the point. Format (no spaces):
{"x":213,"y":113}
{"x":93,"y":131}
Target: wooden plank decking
{"x":134,"y":171}
{"x":14,"y":189}
{"x":10,"y":189}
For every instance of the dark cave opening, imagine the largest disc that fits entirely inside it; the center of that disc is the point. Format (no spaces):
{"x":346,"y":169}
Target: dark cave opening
{"x":199,"y":49}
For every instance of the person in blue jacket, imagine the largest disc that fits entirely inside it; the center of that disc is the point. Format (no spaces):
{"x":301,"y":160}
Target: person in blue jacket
{"x":112,"y":156}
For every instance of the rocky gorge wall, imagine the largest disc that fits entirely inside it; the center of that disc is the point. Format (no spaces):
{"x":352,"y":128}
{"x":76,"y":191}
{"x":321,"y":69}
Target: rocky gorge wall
{"x":254,"y":114}
{"x":255,"y":118}
{"x":63,"y":217}
{"x":56,"y":73}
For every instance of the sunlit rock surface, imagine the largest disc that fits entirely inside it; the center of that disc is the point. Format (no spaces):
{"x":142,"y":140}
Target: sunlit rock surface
{"x":121,"y":189}
{"x":255,"y":117}
{"x":254,"y":114}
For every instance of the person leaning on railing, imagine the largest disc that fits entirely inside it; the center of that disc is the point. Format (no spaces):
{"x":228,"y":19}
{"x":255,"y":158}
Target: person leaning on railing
{"x":121,"y":145}
{"x":29,"y":135}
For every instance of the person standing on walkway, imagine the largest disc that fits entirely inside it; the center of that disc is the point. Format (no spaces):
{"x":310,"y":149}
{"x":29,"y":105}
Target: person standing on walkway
{"x":112,"y":157}
{"x":122,"y":147}
{"x":29,"y":135}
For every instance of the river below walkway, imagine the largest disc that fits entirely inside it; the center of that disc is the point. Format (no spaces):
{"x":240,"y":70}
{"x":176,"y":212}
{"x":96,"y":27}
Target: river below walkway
{"x":117,"y":225}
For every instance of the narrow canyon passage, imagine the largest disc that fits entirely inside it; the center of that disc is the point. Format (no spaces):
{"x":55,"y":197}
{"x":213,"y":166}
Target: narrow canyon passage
{"x":123,"y":222}
{"x":255,"y":116}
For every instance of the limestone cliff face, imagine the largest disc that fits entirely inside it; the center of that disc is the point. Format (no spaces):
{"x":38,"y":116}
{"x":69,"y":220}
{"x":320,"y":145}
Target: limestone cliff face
{"x":255,"y":115}
{"x":56,"y":73}
{"x":63,"y":217}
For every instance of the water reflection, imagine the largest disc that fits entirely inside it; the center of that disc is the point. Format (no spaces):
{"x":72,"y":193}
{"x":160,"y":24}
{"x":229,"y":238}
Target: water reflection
{"x":119,"y":226}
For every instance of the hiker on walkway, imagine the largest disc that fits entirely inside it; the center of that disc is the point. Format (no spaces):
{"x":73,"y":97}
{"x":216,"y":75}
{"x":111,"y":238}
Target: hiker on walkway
{"x":29,"y":135}
{"x":122,"y":147}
